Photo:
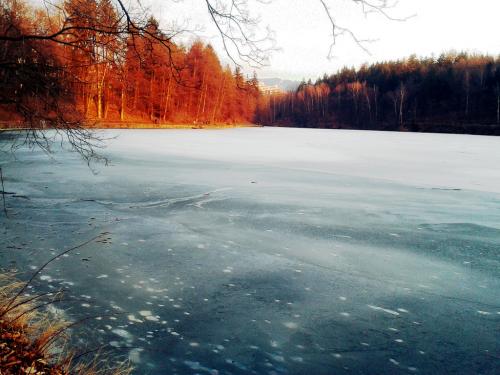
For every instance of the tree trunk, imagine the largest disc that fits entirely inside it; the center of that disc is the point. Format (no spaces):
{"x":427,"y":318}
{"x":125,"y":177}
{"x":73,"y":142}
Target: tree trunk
{"x":467,"y":76}
{"x":218,"y":96}
{"x":122,"y":104}
{"x":369,"y":107}
{"x":166,"y":100}
{"x":204,"y":102}
{"x":151,"y":100}
{"x":201,"y":95}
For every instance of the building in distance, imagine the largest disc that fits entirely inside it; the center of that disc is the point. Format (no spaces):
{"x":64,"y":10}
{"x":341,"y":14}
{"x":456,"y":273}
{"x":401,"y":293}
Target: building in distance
{"x":271,"y":90}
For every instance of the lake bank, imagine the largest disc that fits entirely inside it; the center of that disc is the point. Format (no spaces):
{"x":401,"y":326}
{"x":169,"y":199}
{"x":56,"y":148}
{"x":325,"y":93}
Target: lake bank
{"x":143,"y":125}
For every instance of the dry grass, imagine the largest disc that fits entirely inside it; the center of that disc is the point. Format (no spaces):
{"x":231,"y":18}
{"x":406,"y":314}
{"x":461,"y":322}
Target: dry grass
{"x":32,"y":341}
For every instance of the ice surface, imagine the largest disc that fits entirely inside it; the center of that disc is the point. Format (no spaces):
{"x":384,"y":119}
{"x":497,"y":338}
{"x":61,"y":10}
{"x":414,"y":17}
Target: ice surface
{"x":271,"y":251}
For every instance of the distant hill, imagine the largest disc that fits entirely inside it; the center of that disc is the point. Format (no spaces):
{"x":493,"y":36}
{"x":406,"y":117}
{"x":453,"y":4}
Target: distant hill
{"x":284,"y":84}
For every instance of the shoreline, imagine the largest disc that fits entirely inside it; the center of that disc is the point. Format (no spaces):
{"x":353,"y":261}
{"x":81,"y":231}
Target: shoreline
{"x":6,"y":126}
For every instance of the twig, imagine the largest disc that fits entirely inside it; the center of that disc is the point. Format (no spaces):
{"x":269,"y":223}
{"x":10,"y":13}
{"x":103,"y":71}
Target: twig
{"x":3,"y":193}
{"x":8,"y":308}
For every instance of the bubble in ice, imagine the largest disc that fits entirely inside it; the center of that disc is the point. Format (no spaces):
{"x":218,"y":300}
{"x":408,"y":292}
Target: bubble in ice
{"x":274,"y":344}
{"x":394,"y":361}
{"x":174,"y":333}
{"x":483,"y":312}
{"x":46,"y":278}
{"x":344,"y":314}
{"x":220,"y":347}
{"x":134,"y":355}
{"x":382,"y":309}
{"x":398,"y":340}
{"x":133,"y":319}
{"x":342,"y":298}
{"x":227,"y":271}
{"x":277,"y":358}
{"x":194,"y":344}
{"x":412,"y":368}
{"x":403,"y":310}
{"x":122,"y":333}
{"x":290,"y":325}
{"x":85,"y":305}
{"x":145,"y":313}
{"x":297,"y":359}
{"x":152,"y":318}
{"x":239,"y":365}
{"x":101,"y":277}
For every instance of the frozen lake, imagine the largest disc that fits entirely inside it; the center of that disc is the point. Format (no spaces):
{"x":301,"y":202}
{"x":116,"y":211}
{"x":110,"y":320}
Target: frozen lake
{"x":272,"y":251}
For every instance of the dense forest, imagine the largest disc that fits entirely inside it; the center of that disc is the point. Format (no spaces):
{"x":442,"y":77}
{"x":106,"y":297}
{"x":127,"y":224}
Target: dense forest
{"x":94,"y":68}
{"x":86,"y":62}
{"x":456,"y":92}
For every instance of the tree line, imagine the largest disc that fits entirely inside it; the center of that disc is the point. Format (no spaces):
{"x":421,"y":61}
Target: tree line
{"x":96,"y":67}
{"x":92,"y":60}
{"x":450,"y":93}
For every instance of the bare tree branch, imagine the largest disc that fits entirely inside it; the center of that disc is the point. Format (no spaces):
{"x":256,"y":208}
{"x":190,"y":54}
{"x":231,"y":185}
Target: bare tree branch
{"x":367,"y":7}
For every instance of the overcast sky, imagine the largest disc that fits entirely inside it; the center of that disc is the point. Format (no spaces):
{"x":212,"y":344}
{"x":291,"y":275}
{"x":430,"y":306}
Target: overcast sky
{"x":303,"y":32}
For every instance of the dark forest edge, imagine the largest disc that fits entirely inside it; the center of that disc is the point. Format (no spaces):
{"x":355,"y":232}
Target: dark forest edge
{"x":455,"y":93}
